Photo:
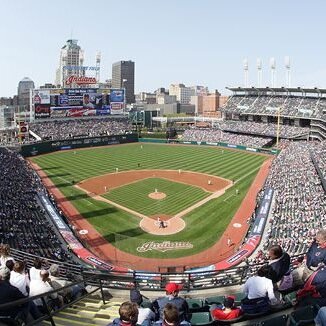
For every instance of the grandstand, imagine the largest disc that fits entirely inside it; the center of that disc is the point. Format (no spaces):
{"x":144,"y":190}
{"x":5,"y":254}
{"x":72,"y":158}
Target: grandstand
{"x":297,"y":176}
{"x":300,"y":107}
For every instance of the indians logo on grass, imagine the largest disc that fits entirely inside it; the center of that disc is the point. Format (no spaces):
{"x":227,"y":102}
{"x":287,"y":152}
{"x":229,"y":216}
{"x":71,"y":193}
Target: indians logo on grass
{"x":164,"y":246}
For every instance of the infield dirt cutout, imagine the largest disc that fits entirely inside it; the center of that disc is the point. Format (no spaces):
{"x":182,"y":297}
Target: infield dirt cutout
{"x":97,"y":186}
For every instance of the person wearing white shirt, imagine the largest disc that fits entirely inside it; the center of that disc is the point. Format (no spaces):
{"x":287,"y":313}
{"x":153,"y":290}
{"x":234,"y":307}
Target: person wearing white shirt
{"x":19,"y":278}
{"x":41,"y":286}
{"x":35,"y":271}
{"x":259,"y":292}
{"x":4,"y":254}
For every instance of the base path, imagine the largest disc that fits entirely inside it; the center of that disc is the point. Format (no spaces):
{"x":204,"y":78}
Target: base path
{"x":222,"y":249}
{"x":101,"y":184}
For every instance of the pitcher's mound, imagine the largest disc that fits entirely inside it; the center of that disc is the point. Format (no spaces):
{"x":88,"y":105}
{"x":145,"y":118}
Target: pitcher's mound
{"x":157,"y":195}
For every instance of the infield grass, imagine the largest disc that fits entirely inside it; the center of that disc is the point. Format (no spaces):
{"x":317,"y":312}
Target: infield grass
{"x":205,"y":224}
{"x":135,"y":196}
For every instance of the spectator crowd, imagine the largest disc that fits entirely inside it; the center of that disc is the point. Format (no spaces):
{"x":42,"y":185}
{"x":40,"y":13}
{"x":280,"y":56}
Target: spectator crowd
{"x":215,"y":135}
{"x":23,"y":222}
{"x":65,"y":129}
{"x":289,"y":106}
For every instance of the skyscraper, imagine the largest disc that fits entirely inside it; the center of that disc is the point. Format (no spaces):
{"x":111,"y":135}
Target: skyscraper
{"x":24,"y":87}
{"x":71,"y":56}
{"x":123,"y":76}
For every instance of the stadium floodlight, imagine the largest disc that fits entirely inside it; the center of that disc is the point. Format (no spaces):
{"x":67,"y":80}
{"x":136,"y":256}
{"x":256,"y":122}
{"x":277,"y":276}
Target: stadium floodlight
{"x":272,"y":64}
{"x":288,"y":71}
{"x":259,"y":68}
{"x":245,"y":69}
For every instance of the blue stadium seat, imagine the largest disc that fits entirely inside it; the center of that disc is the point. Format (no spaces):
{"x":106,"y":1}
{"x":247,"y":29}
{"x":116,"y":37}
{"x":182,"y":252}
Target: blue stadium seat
{"x":275,"y":321}
{"x":216,"y":299}
{"x":197,"y":305}
{"x":201,"y":319}
{"x":303,"y":316}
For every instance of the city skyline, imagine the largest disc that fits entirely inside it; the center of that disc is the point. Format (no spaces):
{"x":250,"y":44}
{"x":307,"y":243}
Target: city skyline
{"x":172,"y":42}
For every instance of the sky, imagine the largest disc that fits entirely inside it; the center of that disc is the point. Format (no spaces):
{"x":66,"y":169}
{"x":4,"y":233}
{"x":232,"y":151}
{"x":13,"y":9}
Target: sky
{"x":173,"y":41}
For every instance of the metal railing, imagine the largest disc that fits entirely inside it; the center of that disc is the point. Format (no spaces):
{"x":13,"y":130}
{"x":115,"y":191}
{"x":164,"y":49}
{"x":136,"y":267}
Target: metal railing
{"x":48,"y":312}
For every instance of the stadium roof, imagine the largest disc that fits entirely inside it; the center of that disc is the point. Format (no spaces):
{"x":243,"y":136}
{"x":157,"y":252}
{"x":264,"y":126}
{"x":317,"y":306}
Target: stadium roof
{"x":300,"y":90}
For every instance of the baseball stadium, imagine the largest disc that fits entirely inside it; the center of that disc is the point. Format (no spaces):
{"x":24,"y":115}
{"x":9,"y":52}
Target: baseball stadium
{"x":205,"y":203}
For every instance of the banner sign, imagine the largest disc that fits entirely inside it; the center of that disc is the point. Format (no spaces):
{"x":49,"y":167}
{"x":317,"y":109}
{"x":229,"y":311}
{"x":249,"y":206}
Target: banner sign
{"x":254,"y":237}
{"x":78,"y":102}
{"x":81,"y":68}
{"x":72,"y":241}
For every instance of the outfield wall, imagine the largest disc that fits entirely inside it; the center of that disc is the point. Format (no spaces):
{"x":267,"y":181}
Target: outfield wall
{"x":58,"y":145}
{"x":220,"y":144}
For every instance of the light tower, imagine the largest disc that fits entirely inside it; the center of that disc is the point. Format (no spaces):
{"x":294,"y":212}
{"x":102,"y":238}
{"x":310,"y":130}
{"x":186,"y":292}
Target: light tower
{"x":259,"y":72}
{"x":245,"y":70}
{"x":272,"y":65}
{"x":288,"y":71}
{"x":98,"y":65}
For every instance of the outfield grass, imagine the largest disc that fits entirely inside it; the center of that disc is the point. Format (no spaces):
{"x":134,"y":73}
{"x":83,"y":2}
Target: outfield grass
{"x":205,"y":225}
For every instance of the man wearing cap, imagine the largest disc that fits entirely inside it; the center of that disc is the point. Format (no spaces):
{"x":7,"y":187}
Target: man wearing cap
{"x":227,"y":311}
{"x":172,"y":292}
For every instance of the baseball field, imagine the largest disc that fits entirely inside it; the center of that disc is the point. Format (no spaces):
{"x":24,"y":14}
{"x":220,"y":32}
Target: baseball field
{"x":126,"y":191}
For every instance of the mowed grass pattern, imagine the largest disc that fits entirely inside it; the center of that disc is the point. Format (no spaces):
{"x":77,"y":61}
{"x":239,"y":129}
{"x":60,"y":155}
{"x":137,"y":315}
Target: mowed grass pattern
{"x":135,"y":196}
{"x":205,"y":225}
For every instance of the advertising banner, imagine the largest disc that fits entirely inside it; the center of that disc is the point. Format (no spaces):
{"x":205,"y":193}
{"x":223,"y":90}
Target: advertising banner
{"x":42,"y":111}
{"x":117,"y":95}
{"x":72,"y":241}
{"x":41,"y":97}
{"x":78,"y":102}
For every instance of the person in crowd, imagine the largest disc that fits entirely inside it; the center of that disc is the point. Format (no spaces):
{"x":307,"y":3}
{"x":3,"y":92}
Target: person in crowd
{"x":171,"y":317}
{"x":35,"y":270}
{"x":315,"y":259}
{"x":128,"y":315}
{"x":19,"y":278}
{"x":9,"y":293}
{"x":143,"y":313}
{"x":279,"y":262}
{"x":41,"y":286}
{"x":227,"y":311}
{"x":316,"y":255}
{"x":314,"y":290}
{"x":172,"y":296}
{"x":10,"y":264}
{"x":58,"y":282}
{"x":259,"y":292}
{"x":320,"y":319}
{"x":5,"y":254}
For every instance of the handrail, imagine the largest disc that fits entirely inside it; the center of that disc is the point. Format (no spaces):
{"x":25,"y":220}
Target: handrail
{"x":49,"y":314}
{"x":155,"y":281}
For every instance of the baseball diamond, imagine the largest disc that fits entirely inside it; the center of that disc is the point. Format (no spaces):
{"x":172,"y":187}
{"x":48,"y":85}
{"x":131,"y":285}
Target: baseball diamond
{"x":106,"y":191}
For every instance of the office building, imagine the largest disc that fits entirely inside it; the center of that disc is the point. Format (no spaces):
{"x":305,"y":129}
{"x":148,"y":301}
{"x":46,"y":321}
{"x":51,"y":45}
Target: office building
{"x":123,"y":76}
{"x":24,"y":88}
{"x":71,"y":55}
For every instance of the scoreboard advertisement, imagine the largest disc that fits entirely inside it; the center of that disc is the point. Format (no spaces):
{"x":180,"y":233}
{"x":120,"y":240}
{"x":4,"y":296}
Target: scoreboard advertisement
{"x":77,"y":102}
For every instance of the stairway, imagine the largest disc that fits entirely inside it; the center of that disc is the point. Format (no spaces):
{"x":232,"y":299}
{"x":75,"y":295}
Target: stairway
{"x":89,"y":311}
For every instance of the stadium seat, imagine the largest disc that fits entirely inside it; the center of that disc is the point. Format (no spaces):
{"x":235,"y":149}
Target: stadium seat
{"x":201,"y":319}
{"x":228,"y":322}
{"x":146,"y":304}
{"x":303,"y":316}
{"x":217,"y":299}
{"x":278,"y":320}
{"x":238,"y":297}
{"x":196,"y":305}
{"x":290,"y":297}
